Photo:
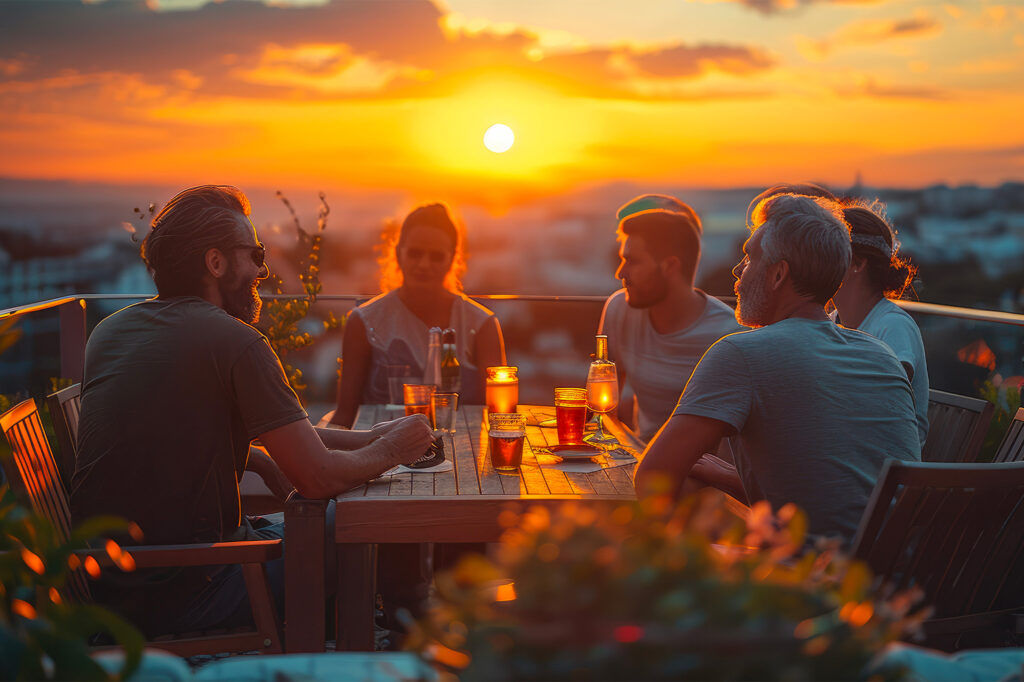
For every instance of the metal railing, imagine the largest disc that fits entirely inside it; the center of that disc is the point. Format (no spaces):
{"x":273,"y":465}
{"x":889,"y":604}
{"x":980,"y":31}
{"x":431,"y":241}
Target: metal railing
{"x":73,"y":332}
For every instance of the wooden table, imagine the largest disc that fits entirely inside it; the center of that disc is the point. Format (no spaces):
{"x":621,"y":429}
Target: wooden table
{"x":462,"y":505}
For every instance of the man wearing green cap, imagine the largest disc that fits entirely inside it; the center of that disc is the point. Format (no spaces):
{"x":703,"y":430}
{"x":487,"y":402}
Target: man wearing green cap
{"x":659,"y":324}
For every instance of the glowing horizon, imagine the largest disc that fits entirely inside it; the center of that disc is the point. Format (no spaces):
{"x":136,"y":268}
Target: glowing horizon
{"x":731,"y":93}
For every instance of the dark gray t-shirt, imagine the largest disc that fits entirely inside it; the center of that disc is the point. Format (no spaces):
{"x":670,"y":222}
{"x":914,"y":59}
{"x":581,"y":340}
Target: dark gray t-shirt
{"x":174,"y":391}
{"x":817,"y":409}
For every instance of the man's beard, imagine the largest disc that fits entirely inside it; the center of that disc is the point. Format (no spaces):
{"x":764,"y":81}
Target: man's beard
{"x":650,"y":296}
{"x":752,"y":302}
{"x":241,"y":299}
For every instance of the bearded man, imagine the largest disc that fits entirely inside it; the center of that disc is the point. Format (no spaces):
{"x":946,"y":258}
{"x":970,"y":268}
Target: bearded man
{"x":813,"y":409}
{"x":659,"y":324}
{"x":175,"y":390}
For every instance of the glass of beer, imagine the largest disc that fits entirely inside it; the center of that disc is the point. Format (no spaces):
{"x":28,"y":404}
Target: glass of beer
{"x":502,"y":389}
{"x":505,"y":440}
{"x":419,"y":399}
{"x":570,"y":414}
{"x":445,"y":406}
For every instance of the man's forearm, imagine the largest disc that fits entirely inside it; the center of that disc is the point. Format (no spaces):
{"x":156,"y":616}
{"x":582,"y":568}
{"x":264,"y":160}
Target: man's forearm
{"x":720,"y":474}
{"x":355,"y":467}
{"x":344,"y":439}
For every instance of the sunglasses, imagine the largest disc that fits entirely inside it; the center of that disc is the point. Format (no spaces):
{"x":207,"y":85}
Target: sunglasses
{"x":258,"y":253}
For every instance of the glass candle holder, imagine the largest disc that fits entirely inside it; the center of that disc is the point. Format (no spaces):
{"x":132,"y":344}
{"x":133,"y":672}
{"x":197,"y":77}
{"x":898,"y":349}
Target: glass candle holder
{"x":502,"y":389}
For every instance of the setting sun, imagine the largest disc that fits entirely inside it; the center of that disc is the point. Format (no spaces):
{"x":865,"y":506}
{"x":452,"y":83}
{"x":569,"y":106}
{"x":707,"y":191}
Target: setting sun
{"x":499,"y":138}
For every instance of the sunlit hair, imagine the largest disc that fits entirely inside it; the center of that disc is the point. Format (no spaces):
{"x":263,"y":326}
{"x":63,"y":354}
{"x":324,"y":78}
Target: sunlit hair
{"x":666,"y":233}
{"x":193,"y":222}
{"x":802,"y":189}
{"x":437,"y":215}
{"x":873,"y":239}
{"x":810,"y":234}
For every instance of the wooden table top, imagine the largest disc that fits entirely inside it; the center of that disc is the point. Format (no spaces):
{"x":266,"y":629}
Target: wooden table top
{"x":463,"y":504}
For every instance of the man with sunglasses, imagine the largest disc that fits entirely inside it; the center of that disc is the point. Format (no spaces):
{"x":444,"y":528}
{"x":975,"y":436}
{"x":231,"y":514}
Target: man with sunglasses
{"x":175,"y":390}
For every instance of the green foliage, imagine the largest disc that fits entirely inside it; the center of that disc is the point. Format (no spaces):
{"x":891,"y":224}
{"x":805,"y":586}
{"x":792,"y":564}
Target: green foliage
{"x":634,"y":592}
{"x":43,"y":634}
{"x":280,"y":317}
{"x":1006,"y":400}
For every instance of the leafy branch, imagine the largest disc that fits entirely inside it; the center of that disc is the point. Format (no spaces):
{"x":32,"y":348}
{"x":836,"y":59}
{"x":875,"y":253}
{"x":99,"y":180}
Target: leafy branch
{"x":280,"y":318}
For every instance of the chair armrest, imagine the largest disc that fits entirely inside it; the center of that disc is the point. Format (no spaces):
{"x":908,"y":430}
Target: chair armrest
{"x":205,"y":554}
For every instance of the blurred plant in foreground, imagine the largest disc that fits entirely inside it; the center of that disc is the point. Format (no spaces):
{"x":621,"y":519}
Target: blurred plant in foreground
{"x":280,"y":317}
{"x":43,"y":632}
{"x":638,"y":592}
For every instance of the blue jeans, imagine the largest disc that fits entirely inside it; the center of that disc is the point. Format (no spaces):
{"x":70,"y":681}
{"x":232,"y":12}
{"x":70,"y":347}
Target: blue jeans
{"x":224,"y":602}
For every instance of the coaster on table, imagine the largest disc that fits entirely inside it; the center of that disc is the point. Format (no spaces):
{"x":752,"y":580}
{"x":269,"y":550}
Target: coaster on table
{"x":579,"y":451}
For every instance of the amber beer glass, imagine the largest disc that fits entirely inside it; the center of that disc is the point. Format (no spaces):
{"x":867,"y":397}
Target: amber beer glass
{"x":505,"y":440}
{"x":419,"y":399}
{"x":570,"y":414}
{"x":502,"y":389}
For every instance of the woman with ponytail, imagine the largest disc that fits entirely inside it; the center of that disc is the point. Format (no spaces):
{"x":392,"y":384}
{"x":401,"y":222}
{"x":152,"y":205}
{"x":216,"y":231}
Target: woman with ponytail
{"x":877,"y":274}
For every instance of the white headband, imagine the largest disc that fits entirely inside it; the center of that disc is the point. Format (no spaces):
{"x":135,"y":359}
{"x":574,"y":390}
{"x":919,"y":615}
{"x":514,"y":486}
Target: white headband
{"x":875,"y":242}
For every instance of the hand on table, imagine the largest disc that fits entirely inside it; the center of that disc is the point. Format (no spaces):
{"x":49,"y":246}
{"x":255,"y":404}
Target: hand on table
{"x":408,"y":437}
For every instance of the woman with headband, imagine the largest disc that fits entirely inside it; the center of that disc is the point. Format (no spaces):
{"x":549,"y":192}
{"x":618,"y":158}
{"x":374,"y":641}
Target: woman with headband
{"x":877,"y":274}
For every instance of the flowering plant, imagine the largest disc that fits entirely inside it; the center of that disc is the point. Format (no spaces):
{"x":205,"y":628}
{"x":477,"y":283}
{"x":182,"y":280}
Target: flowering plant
{"x":641,"y":592}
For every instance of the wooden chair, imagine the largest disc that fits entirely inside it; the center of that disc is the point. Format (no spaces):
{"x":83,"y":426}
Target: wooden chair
{"x":33,"y":476}
{"x":1012,"y":447}
{"x":956,"y":427}
{"x":65,"y":406}
{"x":957,"y":532}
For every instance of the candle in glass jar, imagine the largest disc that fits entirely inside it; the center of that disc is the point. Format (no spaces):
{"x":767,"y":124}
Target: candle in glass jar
{"x":502,"y":389}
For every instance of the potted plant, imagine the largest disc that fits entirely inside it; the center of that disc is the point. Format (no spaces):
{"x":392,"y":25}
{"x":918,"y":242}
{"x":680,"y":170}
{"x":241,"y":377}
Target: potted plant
{"x":638,"y":592}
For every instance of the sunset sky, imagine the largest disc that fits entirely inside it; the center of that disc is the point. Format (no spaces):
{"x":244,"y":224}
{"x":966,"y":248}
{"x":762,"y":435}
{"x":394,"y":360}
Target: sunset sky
{"x":396,"y":94}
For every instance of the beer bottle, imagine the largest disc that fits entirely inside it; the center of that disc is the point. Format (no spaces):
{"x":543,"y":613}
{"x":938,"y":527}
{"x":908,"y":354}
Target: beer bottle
{"x":451,"y":380}
{"x":432,"y":372}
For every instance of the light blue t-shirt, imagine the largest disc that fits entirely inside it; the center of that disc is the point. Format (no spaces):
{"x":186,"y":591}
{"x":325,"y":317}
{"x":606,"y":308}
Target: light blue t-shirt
{"x":657,"y":366}
{"x":817,"y":408}
{"x":890,"y":323}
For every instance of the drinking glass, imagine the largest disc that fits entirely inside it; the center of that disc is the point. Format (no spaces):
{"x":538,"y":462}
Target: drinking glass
{"x":505,"y":440}
{"x":419,"y":400}
{"x":445,"y":406}
{"x":570,"y":414}
{"x":602,"y":397}
{"x":397,"y":375}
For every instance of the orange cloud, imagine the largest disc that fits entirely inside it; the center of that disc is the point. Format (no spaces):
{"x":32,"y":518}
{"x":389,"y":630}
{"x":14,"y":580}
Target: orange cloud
{"x":871,"y":32}
{"x":342,"y":49}
{"x":769,"y":7}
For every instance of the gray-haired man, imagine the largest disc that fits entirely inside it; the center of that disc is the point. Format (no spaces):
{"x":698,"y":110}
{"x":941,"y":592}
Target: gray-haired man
{"x":816,"y":409}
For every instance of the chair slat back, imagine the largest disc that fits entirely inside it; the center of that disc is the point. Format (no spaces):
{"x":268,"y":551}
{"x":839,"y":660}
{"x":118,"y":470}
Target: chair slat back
{"x":954,"y":530}
{"x":36,"y":470}
{"x":956,"y":427}
{"x":1012,"y":447}
{"x":65,"y":406}
{"x":34,"y":476}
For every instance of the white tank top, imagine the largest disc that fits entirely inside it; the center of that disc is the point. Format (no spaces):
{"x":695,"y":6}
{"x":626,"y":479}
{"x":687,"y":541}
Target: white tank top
{"x":398,"y":337}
